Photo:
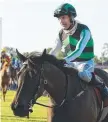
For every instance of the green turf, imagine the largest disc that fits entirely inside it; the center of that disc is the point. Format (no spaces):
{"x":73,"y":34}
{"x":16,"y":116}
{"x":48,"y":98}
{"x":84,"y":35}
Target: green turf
{"x":39,"y":114}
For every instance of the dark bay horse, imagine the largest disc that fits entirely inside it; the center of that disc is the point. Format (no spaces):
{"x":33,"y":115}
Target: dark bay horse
{"x":72,"y":99}
{"x":4,"y":79}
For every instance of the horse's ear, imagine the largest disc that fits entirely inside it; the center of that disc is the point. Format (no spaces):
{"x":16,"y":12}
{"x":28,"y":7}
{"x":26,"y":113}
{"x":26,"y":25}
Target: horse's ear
{"x":21,"y":57}
{"x":44,"y":52}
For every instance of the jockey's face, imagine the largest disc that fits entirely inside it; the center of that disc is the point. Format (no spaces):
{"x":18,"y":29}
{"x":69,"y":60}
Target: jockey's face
{"x":65,"y":21}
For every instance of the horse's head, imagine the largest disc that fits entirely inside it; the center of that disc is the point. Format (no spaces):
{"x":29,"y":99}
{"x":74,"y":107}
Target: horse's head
{"x":29,"y":87}
{"x":39,"y":72}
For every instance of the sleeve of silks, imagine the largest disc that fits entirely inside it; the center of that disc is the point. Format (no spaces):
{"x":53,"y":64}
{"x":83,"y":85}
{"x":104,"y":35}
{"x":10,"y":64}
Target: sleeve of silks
{"x":84,"y":38}
{"x":57,"y":47}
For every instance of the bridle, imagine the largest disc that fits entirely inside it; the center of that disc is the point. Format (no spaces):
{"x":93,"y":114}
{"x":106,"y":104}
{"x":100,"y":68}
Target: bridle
{"x":42,"y":82}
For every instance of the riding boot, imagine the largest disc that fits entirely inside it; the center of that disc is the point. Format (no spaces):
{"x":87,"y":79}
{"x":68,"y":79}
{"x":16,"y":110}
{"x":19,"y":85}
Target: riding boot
{"x":104,"y":93}
{"x":101,"y":86}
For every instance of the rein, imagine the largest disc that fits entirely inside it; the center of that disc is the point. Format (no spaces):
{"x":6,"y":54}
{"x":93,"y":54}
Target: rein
{"x":42,"y":79}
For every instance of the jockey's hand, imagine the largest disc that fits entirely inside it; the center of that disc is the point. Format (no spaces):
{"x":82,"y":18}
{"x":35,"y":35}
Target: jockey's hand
{"x":67,"y":61}
{"x":69,"y":64}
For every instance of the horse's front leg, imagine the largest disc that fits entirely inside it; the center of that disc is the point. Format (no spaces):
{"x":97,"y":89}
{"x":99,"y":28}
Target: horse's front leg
{"x":4,"y":92}
{"x":49,"y":112}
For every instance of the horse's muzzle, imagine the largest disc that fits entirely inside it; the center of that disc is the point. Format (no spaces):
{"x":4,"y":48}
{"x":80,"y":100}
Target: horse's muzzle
{"x":20,"y":110}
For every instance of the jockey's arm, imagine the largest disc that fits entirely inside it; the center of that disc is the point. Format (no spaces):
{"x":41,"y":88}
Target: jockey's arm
{"x":57,"y":47}
{"x":84,"y":38}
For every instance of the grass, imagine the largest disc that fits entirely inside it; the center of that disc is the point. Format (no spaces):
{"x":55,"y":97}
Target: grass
{"x":39,"y":113}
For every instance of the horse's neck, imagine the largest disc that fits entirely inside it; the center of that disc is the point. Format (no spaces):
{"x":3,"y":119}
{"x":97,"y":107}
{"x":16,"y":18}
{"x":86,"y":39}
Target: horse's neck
{"x":4,"y":68}
{"x":3,"y":71}
{"x":56,"y":83}
{"x":74,"y":86}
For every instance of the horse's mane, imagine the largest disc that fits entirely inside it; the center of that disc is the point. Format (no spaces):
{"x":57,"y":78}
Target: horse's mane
{"x":53,"y":60}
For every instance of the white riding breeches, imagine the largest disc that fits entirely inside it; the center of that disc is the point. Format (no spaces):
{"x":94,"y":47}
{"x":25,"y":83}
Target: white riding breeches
{"x":85,"y":69}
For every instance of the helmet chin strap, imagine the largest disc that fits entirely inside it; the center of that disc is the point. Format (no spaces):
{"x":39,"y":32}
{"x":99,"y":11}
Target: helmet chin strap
{"x":71,"y":26}
{"x":72,"y":23}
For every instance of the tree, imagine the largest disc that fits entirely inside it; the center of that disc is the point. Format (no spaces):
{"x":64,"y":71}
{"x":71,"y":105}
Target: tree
{"x":104,"y":54}
{"x":10,"y":50}
{"x":97,"y":59}
{"x":60,"y":55}
{"x":26,"y":54}
{"x":48,"y":49}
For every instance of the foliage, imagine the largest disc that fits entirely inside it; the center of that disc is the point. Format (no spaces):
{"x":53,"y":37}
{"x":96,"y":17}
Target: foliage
{"x":103,"y":58}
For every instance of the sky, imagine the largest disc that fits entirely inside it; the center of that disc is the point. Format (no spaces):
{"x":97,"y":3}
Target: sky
{"x":29,"y":25}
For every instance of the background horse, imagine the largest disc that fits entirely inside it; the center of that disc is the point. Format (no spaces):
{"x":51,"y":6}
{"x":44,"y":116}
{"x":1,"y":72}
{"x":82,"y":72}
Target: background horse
{"x":4,"y":79}
{"x":73,"y":100}
{"x":13,"y":76}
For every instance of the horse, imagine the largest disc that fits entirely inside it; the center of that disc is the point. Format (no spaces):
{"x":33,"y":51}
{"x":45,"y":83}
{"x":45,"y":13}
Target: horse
{"x":72,"y":100}
{"x":13,"y":75}
{"x":4,"y":79}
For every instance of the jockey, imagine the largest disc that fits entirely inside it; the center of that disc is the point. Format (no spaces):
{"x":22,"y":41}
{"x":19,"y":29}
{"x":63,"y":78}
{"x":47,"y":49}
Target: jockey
{"x":15,"y":62}
{"x":77,"y":42}
{"x":12,"y":60}
{"x":4,"y":57}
